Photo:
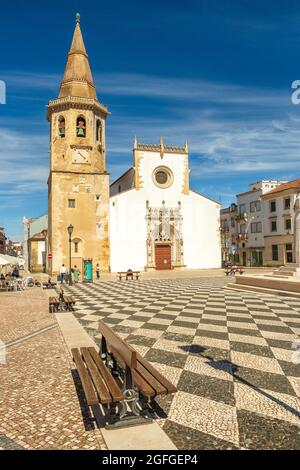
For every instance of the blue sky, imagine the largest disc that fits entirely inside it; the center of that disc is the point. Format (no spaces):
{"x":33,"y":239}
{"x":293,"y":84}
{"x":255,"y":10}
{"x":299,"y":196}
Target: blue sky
{"x":217,"y":73}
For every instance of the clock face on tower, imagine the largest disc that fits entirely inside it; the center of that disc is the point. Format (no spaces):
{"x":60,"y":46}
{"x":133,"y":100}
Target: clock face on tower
{"x":81,"y":156}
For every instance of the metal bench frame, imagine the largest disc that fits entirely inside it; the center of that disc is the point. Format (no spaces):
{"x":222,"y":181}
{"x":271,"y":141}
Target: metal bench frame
{"x":137,"y":380}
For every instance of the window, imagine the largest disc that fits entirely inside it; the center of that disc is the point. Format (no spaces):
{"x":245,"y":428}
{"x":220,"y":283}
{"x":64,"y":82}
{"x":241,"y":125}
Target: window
{"x":71,"y":203}
{"x":273,"y":206}
{"x":119,"y":188}
{"x":288,"y":224}
{"x":273,"y":225}
{"x":242,"y":208}
{"x":80,"y":127}
{"x":243,"y":228}
{"x":76,"y":247}
{"x":232,"y":223}
{"x":287,"y":203}
{"x":289,"y":252}
{"x":61,"y":126}
{"x":256,"y":227}
{"x":274,"y":252}
{"x":98,"y":130}
{"x":163,"y":177}
{"x":255,"y":206}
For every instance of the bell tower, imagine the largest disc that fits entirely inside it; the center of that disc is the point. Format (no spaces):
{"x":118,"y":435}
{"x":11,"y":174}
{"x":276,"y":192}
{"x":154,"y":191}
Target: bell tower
{"x":78,"y":184}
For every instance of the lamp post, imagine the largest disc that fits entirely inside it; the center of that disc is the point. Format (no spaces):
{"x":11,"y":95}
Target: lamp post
{"x":70,"y":231}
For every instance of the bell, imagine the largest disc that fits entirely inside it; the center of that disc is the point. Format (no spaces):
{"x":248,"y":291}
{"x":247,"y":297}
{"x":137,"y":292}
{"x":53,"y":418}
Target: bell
{"x":80,"y":132}
{"x":61,"y":131}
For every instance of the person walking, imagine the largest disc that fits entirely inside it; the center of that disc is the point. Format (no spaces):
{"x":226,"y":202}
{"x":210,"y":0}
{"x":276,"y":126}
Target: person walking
{"x":98,"y":271}
{"x":76,"y":274}
{"x":63,"y":271}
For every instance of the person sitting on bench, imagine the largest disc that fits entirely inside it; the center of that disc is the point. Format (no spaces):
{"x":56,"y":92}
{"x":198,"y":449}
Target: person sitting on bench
{"x":129,"y":274}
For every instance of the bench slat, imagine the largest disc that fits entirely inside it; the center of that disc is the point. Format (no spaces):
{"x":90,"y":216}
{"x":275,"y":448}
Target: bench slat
{"x":125,"y":350}
{"x":139,"y":381}
{"x":152,"y":381}
{"x":99,"y":383}
{"x":165,"y":382}
{"x":114,"y":389}
{"x":87,"y":385}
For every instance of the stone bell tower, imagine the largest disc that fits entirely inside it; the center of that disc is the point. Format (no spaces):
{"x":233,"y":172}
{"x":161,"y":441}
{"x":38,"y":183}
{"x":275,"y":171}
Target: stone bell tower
{"x":78,"y":184}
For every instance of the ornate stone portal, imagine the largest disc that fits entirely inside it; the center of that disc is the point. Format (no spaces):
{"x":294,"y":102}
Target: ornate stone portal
{"x":164,"y":226}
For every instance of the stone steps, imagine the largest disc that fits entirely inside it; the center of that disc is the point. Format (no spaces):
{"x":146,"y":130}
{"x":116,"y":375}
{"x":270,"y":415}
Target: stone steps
{"x":291,"y":284}
{"x":263,"y":290}
{"x":289,"y":270}
{"x":277,"y":275}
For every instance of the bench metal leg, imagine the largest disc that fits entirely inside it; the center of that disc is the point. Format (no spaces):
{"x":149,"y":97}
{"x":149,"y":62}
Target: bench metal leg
{"x":131,"y":411}
{"x":112,"y":415}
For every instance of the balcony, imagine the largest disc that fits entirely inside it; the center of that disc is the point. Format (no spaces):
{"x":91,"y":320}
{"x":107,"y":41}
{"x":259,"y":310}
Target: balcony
{"x":243,"y":217}
{"x":242,"y":237}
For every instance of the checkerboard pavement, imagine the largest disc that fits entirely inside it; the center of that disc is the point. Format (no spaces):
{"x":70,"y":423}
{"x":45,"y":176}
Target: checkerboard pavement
{"x":228,"y":352}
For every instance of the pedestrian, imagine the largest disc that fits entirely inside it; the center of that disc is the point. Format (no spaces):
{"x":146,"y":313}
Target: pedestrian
{"x":63,"y":271}
{"x":129,"y":274}
{"x":98,"y":271}
{"x":76,"y":274}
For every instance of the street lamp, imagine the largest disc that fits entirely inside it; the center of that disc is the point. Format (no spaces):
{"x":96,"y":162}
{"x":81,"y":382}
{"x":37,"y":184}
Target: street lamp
{"x":70,"y":231}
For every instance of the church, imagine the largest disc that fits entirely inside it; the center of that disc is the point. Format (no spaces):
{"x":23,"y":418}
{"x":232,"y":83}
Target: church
{"x":148,"y":218}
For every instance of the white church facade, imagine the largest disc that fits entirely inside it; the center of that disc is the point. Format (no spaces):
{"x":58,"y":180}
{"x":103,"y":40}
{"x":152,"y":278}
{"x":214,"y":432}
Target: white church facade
{"x":156,"y":220}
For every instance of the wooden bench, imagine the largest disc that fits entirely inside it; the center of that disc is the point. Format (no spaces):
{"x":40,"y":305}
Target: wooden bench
{"x":119,"y":379}
{"x":53,"y":304}
{"x":49,"y":285}
{"x":232,"y":272}
{"x":69,"y":302}
{"x":129,"y":274}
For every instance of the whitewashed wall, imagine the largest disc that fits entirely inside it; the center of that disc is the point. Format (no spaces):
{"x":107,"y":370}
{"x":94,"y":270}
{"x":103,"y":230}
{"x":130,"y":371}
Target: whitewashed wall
{"x":128,"y":228}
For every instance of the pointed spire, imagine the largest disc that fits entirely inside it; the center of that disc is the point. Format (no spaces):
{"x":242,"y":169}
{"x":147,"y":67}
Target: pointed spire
{"x":186,"y":147}
{"x":135,"y":143}
{"x":78,"y":80}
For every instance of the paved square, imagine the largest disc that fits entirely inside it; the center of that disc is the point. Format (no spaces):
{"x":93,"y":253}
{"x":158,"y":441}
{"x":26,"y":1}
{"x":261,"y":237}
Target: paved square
{"x":229,"y":353}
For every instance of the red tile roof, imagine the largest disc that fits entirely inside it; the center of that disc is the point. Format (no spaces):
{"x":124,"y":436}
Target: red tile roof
{"x":295,"y":184}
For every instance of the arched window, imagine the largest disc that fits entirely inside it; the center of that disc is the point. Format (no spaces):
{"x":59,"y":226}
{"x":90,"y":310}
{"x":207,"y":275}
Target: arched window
{"x":99,"y":130}
{"x":76,"y":247}
{"x":80,"y":127}
{"x":61,"y":126}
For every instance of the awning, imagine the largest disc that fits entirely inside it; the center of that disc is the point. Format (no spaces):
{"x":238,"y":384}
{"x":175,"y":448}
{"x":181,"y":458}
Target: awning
{"x":3,"y":261}
{"x":7,"y":259}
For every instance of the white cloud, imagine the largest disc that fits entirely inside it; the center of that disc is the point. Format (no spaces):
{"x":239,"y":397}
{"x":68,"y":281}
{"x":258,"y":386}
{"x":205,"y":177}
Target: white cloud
{"x":152,"y":86}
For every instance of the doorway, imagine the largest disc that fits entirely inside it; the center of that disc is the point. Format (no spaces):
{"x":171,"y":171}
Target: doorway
{"x":88,"y":270}
{"x":257,"y":258}
{"x":163,"y":257}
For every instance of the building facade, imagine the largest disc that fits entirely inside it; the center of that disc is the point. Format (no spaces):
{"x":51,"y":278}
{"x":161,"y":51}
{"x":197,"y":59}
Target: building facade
{"x":228,"y":231}
{"x":78,"y":184}
{"x":279,"y":224}
{"x":156,"y":220}
{"x":35,"y":243}
{"x":149,"y":218}
{"x":2,"y":241}
{"x":251,"y":224}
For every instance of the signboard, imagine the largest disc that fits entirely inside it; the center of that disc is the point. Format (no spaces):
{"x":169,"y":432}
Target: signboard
{"x":50,"y":256}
